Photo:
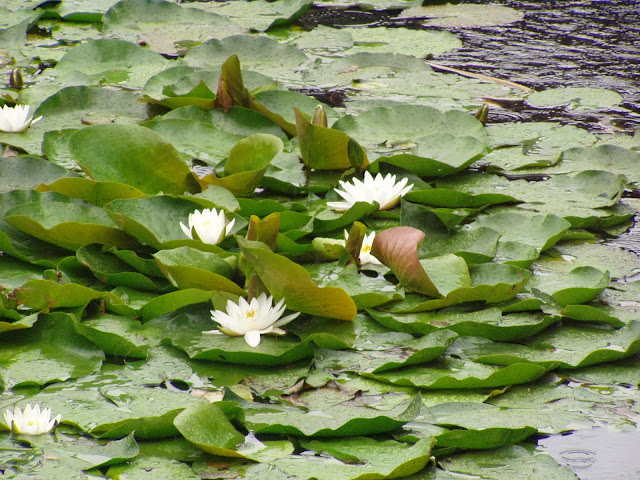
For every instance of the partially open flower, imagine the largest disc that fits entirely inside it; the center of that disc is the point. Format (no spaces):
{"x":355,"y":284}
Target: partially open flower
{"x":383,"y":190}
{"x":252,"y":319}
{"x":210,"y":225}
{"x":32,"y":421}
{"x":16,"y":119}
{"x":365,"y":250}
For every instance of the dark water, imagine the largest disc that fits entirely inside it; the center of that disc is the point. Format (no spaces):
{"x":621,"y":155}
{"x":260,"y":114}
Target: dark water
{"x":561,"y":43}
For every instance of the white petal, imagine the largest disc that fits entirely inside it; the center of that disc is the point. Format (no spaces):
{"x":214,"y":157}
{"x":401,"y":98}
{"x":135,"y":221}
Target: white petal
{"x":285,"y":320}
{"x":186,"y":230}
{"x":252,"y":338}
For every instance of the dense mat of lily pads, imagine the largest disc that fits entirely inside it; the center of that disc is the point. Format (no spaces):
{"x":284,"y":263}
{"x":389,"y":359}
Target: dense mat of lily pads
{"x":207,"y":274}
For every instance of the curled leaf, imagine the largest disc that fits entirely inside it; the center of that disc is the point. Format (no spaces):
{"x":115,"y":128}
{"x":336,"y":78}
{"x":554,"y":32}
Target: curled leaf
{"x":397,"y":248}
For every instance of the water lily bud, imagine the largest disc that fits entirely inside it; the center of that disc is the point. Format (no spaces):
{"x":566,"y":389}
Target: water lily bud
{"x":319,"y":117}
{"x":15,"y":79}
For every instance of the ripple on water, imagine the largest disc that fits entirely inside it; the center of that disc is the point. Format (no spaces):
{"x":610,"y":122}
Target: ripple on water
{"x":597,"y":454}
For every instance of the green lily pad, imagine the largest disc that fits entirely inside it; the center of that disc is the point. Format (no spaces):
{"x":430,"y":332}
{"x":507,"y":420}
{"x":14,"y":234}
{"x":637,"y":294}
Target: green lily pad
{"x":205,"y":425}
{"x":115,"y":335}
{"x":580,"y":285}
{"x":247,"y":163}
{"x":117,"y":410}
{"x":406,"y":353}
{"x":155,"y":220}
{"x":358,"y":458}
{"x":25,"y":173}
{"x":403,"y":127}
{"x":348,"y":418}
{"x":501,"y":464}
{"x":20,"y":245}
{"x":52,"y":341}
{"x":68,"y":223}
{"x":132,"y":155}
{"x":605,"y":157}
{"x":285,"y":279}
{"x":454,"y":373}
{"x":365,"y":291}
{"x":576,"y":98}
{"x":108,"y":61}
{"x":111,"y":270}
{"x":73,"y":107}
{"x":324,"y":148}
{"x":138,"y":20}
{"x":264,"y":15}
{"x":98,"y":193}
{"x":195,"y":139}
{"x":254,"y":52}
{"x":488,"y":323}
{"x":45,"y":294}
{"x":464,"y":16}
{"x":187,"y":267}
{"x":420,"y":43}
{"x":568,"y":347}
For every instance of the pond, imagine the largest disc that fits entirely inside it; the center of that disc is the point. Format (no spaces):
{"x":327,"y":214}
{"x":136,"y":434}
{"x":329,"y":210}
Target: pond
{"x":461,"y":294}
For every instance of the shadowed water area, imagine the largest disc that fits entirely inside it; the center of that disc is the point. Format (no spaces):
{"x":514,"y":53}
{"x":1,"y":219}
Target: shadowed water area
{"x":557,"y":44}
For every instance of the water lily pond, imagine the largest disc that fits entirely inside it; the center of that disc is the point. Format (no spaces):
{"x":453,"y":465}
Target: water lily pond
{"x":207,"y":274}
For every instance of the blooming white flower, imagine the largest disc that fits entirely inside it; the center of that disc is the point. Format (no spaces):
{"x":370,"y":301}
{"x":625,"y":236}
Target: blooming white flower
{"x":252,"y":319}
{"x":383,"y":190}
{"x":16,"y":119}
{"x":365,"y":250}
{"x":210,"y":224}
{"x":32,"y":421}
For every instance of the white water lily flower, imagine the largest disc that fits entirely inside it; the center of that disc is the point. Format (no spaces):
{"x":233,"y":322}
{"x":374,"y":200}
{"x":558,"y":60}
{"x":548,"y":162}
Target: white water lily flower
{"x":252,"y":319}
{"x":16,"y":119}
{"x":383,"y":190}
{"x":32,"y":421}
{"x":210,"y":224}
{"x":365,"y":250}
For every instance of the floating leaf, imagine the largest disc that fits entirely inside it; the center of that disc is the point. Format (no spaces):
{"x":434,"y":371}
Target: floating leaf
{"x":187,"y":267}
{"x":576,"y":98}
{"x":488,"y":323}
{"x":98,"y":193}
{"x":324,"y":148}
{"x":52,"y":341}
{"x":285,"y":279}
{"x":454,"y":373}
{"x":205,"y":425}
{"x":464,"y":15}
{"x":580,"y":285}
{"x":24,"y":173}
{"x":363,"y":457}
{"x":568,"y":347}
{"x":397,"y":248}
{"x":67,"y":223}
{"x":132,"y":155}
{"x":248,"y":161}
{"x":345,"y":419}
{"x":108,"y":61}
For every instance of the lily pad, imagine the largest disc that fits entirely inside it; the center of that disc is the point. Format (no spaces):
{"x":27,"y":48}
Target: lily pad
{"x":132,"y":155}
{"x":25,"y":173}
{"x":108,"y":61}
{"x":576,"y":98}
{"x":464,"y":16}
{"x":285,"y":279}
{"x":67,"y":223}
{"x":52,"y":341}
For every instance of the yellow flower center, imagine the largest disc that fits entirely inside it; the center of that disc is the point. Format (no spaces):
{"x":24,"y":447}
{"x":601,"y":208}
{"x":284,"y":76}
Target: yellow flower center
{"x":250,"y":314}
{"x":366,"y":248}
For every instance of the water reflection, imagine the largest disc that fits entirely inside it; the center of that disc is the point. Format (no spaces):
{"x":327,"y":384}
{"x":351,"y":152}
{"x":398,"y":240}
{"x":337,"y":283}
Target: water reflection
{"x":597,"y":454}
